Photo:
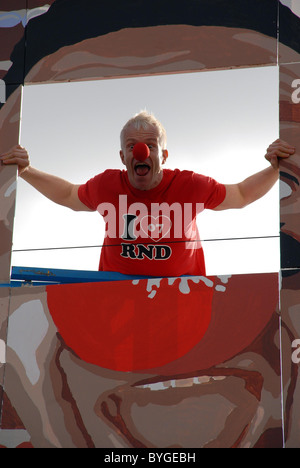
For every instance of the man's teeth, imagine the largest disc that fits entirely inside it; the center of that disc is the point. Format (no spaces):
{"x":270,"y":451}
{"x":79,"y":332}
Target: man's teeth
{"x":181,"y":383}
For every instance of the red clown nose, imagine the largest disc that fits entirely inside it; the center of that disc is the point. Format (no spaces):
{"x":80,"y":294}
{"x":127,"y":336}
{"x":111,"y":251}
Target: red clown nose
{"x":141,"y":151}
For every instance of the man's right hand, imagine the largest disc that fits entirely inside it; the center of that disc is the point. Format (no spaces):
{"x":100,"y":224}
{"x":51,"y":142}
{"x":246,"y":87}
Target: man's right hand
{"x":16,"y":155}
{"x":58,"y":190}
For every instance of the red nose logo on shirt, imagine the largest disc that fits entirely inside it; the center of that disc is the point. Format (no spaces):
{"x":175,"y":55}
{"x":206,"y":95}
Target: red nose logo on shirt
{"x":156,"y":227}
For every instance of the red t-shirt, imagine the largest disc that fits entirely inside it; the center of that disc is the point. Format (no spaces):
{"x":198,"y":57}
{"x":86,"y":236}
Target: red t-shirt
{"x":152,"y":232}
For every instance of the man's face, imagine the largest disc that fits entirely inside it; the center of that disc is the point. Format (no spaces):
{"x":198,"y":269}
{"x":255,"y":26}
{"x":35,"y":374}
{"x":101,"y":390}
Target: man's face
{"x":147,"y":174}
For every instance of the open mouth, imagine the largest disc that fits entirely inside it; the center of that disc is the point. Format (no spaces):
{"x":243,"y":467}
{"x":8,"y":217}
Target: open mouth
{"x":231,"y":397}
{"x":181,"y":382}
{"x":141,"y":169}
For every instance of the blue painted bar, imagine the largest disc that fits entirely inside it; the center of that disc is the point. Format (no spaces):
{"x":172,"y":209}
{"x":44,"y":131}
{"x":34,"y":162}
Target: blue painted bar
{"x":46,"y":276}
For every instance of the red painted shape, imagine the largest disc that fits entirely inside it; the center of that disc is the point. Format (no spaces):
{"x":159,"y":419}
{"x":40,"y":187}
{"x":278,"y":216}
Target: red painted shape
{"x":239,"y":316}
{"x":117,"y":325}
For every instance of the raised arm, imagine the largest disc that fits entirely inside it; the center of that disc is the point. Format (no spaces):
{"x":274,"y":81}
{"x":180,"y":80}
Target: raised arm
{"x":256,"y":186}
{"x":58,"y":190}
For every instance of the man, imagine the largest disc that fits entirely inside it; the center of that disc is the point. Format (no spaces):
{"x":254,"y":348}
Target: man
{"x":150,"y":212}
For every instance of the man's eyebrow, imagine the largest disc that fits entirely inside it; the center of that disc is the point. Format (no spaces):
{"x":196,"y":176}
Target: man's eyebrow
{"x":145,"y":140}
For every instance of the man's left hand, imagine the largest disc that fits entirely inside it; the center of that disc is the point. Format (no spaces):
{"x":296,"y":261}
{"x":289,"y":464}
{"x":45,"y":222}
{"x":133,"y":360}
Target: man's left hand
{"x":279,"y":149}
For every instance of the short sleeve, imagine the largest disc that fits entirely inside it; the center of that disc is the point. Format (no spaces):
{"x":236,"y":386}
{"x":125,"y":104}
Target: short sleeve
{"x":89,"y":192}
{"x":211,"y":192}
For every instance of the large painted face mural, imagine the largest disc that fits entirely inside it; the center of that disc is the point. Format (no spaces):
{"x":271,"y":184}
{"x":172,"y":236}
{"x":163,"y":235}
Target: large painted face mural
{"x":185,"y":362}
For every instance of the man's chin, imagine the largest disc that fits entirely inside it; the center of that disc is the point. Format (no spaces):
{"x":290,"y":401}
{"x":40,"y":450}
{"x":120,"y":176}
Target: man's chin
{"x":145,"y":182}
{"x":142,"y":182}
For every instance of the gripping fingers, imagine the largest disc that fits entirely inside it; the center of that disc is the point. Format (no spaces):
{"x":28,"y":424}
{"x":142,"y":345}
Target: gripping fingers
{"x":16,"y":155}
{"x":279,"y":150}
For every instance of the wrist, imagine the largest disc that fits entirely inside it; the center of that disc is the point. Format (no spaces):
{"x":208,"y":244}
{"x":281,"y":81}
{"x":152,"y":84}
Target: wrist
{"x":23,"y":171}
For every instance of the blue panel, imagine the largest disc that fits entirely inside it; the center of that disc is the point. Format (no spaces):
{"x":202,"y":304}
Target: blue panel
{"x":49,"y":276}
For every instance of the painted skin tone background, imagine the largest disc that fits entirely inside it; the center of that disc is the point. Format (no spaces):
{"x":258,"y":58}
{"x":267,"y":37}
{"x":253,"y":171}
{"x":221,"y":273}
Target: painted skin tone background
{"x":239,"y":364}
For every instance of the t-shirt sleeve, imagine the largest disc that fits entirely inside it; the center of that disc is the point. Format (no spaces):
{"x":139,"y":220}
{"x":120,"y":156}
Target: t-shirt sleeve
{"x":88,"y":193}
{"x":210,"y":192}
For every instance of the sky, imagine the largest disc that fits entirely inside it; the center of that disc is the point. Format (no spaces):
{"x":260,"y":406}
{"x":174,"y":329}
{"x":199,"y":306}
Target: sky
{"x":218,"y":123}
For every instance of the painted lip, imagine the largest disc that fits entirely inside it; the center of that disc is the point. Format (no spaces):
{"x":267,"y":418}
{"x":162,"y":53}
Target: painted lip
{"x":240,"y":389}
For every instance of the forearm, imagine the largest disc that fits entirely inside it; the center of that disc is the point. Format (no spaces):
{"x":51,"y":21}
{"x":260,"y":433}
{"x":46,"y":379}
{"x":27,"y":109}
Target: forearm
{"x":56,"y":189}
{"x":257,"y":185}
{"x":250,"y":190}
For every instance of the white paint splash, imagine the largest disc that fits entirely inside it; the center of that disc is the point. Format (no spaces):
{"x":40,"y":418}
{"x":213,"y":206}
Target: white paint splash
{"x":153,"y":284}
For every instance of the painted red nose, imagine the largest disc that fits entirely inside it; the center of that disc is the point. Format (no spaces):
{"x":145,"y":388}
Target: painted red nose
{"x":141,"y":151}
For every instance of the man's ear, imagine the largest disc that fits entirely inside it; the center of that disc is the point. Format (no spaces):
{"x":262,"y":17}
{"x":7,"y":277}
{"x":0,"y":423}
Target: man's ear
{"x":122,"y":157}
{"x":165,"y":155}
